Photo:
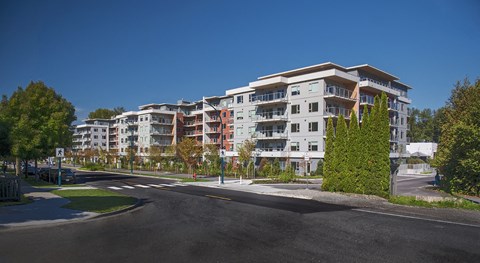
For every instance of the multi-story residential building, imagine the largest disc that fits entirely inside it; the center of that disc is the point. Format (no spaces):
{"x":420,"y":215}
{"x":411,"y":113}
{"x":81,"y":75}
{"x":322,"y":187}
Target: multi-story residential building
{"x":285,"y":114}
{"x":93,"y":134}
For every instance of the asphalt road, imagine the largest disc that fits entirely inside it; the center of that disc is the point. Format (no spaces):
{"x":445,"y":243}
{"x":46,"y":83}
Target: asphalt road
{"x":195,"y":224}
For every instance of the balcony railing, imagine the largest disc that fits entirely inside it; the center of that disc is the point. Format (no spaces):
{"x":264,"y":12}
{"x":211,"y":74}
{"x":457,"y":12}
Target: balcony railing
{"x":264,"y":135}
{"x":161,"y":132}
{"x":392,"y":106}
{"x":212,"y":130}
{"x":367,"y":99}
{"x":394,"y":122}
{"x":162,"y":121}
{"x":213,"y":119}
{"x":270,"y":116}
{"x":271,"y":149}
{"x":338,"y":91}
{"x":270,"y":98}
{"x":336,"y":111}
{"x":161,"y":143}
{"x":394,"y":138}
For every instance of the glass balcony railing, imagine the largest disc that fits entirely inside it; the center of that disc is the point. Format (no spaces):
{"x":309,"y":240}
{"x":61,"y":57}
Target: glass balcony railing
{"x":367,"y":99}
{"x":269,"y":98}
{"x":336,"y":111}
{"x":272,"y":115}
{"x":338,"y":91}
{"x":272,"y":134}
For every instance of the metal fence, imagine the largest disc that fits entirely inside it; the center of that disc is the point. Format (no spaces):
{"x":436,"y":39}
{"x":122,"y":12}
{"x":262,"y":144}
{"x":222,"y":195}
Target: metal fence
{"x":10,"y":188}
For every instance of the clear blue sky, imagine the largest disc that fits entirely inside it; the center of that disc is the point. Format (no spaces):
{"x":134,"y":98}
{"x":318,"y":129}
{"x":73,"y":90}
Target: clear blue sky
{"x":130,"y":53}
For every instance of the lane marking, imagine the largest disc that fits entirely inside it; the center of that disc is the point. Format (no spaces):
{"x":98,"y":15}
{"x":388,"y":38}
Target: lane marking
{"x":418,"y":218}
{"x":167,"y":185}
{"x":142,"y":186}
{"x":219,"y":197}
{"x":128,"y":187}
{"x":115,"y":188}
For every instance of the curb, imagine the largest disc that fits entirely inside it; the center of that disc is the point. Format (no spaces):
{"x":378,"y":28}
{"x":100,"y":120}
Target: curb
{"x":139,"y":203}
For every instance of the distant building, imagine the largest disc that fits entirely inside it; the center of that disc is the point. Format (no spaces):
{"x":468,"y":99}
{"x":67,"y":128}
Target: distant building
{"x":422,"y":149}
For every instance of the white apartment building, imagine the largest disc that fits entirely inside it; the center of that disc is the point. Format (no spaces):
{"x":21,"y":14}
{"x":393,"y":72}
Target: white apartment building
{"x":93,"y":134}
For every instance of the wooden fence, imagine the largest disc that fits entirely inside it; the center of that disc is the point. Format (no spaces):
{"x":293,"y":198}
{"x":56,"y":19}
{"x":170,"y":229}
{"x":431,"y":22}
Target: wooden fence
{"x":10,"y":188}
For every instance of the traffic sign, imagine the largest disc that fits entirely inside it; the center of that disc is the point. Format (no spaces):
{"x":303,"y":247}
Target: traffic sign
{"x":222,"y":153}
{"x":59,"y":152}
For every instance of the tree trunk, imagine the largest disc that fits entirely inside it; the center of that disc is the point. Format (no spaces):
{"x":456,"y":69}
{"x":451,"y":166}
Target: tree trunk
{"x":36,"y":170}
{"x":18,"y":166}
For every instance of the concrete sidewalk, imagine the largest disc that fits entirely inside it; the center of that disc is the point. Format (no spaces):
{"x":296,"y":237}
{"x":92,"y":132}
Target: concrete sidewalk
{"x":46,"y":208}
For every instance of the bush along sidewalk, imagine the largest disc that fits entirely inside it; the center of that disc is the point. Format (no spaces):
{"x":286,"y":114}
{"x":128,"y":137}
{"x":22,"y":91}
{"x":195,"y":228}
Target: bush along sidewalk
{"x":459,"y":203}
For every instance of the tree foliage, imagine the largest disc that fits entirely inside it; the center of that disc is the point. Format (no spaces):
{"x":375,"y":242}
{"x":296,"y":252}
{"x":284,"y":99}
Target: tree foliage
{"x":103,"y":113}
{"x":189,"y":152}
{"x":425,"y":125}
{"x":40,"y":121}
{"x":328,"y":167}
{"x":458,"y":154}
{"x":245,"y":152}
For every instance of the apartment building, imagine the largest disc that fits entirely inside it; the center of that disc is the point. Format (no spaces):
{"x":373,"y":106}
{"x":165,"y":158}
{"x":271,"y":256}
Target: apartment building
{"x":93,"y":134}
{"x":285,"y":114}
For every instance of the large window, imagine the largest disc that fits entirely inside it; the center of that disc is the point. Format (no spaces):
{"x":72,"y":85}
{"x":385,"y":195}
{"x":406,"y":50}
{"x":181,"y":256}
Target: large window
{"x":295,"y":90}
{"x":295,"y":146}
{"x":313,"y":146}
{"x":240,"y":115}
{"x":313,"y":87}
{"x":313,"y":107}
{"x":239,"y":131}
{"x":295,"y":127}
{"x":240,"y":99}
{"x":296,"y":109}
{"x":313,"y":126}
{"x":251,"y":130}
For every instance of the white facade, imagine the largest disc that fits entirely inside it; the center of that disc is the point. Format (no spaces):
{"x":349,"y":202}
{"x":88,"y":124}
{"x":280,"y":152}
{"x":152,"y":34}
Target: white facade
{"x":93,"y":135}
{"x":422,"y":149}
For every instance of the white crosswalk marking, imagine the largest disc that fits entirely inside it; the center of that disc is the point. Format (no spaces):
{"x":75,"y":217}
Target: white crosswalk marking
{"x":168,"y":185}
{"x":115,"y":188}
{"x":155,"y":185}
{"x":128,"y":187}
{"x":179,"y":184}
{"x":142,"y":186}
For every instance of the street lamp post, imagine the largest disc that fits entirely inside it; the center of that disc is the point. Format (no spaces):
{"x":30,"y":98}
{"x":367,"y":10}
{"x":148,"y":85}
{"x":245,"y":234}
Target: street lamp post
{"x":221,"y":141}
{"x":131,"y":149}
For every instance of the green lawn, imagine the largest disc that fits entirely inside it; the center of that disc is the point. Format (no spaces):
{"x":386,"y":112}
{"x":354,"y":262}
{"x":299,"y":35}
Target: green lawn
{"x":411,"y":201}
{"x":95,"y":200}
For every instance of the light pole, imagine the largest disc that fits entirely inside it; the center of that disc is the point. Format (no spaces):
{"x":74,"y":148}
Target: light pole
{"x":221,"y":141}
{"x":256,"y":154}
{"x":131,"y":148}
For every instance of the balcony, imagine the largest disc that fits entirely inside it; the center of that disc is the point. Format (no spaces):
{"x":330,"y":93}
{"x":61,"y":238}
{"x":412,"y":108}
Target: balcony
{"x":338,"y":92}
{"x":392,"y":106}
{"x":270,"y":116}
{"x":367,"y":99}
{"x":270,"y":98}
{"x":189,"y":124}
{"x":161,"y":132}
{"x":336,"y":112}
{"x":378,"y":86}
{"x":213,"y":120}
{"x":212,"y":131}
{"x":161,"y":143}
{"x":162,"y":122}
{"x":393,"y":138}
{"x":271,"y":135}
{"x":394,"y":122}
{"x":272,"y":149}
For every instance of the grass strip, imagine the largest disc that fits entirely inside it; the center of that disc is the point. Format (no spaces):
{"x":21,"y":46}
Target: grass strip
{"x":44,"y":184}
{"x":95,"y":200}
{"x":412,"y":201}
{"x":191,"y":180}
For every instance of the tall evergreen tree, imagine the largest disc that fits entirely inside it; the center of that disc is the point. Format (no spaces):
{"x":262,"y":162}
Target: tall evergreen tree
{"x":328,"y":157}
{"x":340,"y":149}
{"x":365,"y":145}
{"x":372,"y":180}
{"x":384,"y":145}
{"x":353,"y":154}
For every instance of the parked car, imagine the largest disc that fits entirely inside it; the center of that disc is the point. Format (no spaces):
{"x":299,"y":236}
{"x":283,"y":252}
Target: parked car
{"x":43,"y":173}
{"x":68,"y":176}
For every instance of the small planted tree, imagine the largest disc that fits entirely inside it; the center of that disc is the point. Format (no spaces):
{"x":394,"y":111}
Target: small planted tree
{"x":189,"y":152}
{"x":328,"y":168}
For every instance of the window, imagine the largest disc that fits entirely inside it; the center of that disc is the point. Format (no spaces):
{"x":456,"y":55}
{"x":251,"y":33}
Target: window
{"x":239,"y":145}
{"x":313,"y":87}
{"x":146,"y":119}
{"x":230,"y":136}
{"x":95,"y":130}
{"x":295,"y":127}
{"x":104,"y":130}
{"x":313,"y":146}
{"x":240,"y":99}
{"x":251,"y":97}
{"x":95,"y":144}
{"x":401,"y":121}
{"x":401,"y":135}
{"x":251,"y":114}
{"x":294,"y":146}
{"x":240,"y":115}
{"x":313,"y":126}
{"x":224,"y":137}
{"x":121,"y":140}
{"x":224,"y":114}
{"x":95,"y":136}
{"x":251,"y":130}
{"x":141,"y":119}
{"x":295,"y":90}
{"x":296,"y":109}
{"x":104,"y":144}
{"x":313,"y":107}
{"x":224,"y":125}
{"x":104,"y":137}
{"x":239,"y":131}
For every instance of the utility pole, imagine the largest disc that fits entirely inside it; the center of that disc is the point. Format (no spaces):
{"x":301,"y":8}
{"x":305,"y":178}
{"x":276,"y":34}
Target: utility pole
{"x":221,"y":141}
{"x":131,"y":149}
